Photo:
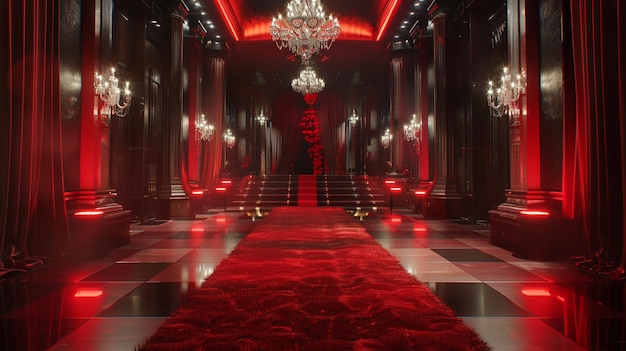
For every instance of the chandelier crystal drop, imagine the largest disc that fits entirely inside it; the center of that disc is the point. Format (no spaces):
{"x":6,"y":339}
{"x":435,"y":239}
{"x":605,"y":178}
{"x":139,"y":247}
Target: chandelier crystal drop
{"x":204,"y":130}
{"x":229,"y":138}
{"x":110,"y":93}
{"x":412,"y":130}
{"x":305,"y":29}
{"x":503,"y":100}
{"x":308,"y":83}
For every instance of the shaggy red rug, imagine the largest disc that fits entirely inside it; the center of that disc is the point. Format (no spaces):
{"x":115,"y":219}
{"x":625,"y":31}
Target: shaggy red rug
{"x":312,"y":279}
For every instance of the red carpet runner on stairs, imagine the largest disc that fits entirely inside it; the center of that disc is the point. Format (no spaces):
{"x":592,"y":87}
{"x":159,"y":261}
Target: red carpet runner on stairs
{"x":312,"y":279}
{"x":307,"y":190}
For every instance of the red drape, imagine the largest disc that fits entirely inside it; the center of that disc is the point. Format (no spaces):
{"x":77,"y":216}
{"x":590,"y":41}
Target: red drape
{"x":286,"y":116}
{"x":213,"y":100}
{"x":33,"y":215}
{"x":331,"y":113}
{"x":596,"y":193}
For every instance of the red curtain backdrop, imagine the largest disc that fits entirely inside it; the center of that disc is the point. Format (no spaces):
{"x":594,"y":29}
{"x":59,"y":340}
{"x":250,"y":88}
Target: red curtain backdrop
{"x":594,"y":191}
{"x":33,"y":215}
{"x":213,"y":99}
{"x":331,"y":113}
{"x":285,"y":115}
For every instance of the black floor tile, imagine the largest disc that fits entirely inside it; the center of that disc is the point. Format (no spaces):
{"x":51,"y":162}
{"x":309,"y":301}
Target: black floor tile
{"x":476,"y":300}
{"x":127,"y":272}
{"x":151,"y":300}
{"x":466,"y":255}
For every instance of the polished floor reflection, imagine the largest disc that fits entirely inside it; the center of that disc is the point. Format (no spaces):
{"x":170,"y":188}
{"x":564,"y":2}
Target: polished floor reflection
{"x":115,"y":301}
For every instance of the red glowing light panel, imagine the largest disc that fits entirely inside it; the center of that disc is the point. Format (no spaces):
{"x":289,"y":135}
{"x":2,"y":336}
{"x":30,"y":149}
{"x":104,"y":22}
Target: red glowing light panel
{"x":420,"y":192}
{"x":197,"y":192}
{"x":534,"y":292}
{"x":535,"y":213}
{"x":226,"y":181}
{"x":390,"y":182}
{"x":88,"y":293}
{"x":220,"y":188}
{"x":88,"y":213}
{"x":396,"y":188}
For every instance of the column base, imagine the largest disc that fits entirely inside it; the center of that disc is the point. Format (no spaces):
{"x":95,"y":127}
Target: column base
{"x":173,"y":208}
{"x":443,"y":201}
{"x":527,"y":225}
{"x":97,"y":223}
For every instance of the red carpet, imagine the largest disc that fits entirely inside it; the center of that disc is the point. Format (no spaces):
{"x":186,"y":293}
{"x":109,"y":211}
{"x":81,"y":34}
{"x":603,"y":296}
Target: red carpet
{"x":312,"y":279}
{"x":307,"y":190}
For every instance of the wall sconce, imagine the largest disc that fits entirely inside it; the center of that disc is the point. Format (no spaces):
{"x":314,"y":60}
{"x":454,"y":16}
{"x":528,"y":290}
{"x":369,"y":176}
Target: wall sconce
{"x":386,"y":138}
{"x":261,"y":118}
{"x":413,"y":130}
{"x":229,"y":138}
{"x":204,"y":131}
{"x":503,"y":100}
{"x":109,"y":92}
{"x":353,"y":118}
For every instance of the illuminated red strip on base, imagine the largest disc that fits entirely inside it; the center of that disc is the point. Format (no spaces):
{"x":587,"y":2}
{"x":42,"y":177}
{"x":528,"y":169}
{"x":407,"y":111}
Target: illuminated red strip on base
{"x":420,"y":192}
{"x":198,"y":192}
{"x":88,"y":293}
{"x":220,"y":188}
{"x":536,"y":292}
{"x":395,"y":188}
{"x":535,"y":213}
{"x":88,"y":213}
{"x":227,"y":181}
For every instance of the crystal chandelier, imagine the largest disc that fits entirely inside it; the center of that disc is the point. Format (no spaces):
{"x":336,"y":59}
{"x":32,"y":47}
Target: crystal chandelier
{"x":308,"y":83}
{"x":504,"y":98}
{"x":305,"y":30}
{"x":261,"y":118}
{"x":109,"y":92}
{"x":229,"y":138}
{"x":204,"y":130}
{"x":353,"y":118}
{"x":412,"y":130}
{"x":386,"y":138}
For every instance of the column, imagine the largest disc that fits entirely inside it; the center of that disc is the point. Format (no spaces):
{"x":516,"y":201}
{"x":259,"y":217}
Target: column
{"x":526,"y":222}
{"x":97,"y":221}
{"x":401,"y":109}
{"x":194,"y":43}
{"x":172,"y":199}
{"x":423,"y":51}
{"x":443,"y":200}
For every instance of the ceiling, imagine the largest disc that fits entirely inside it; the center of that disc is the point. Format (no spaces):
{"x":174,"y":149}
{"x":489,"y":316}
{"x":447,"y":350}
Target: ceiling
{"x":359,"y":56}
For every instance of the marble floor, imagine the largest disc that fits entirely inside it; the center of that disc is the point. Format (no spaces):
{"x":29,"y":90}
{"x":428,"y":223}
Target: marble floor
{"x":116,"y":300}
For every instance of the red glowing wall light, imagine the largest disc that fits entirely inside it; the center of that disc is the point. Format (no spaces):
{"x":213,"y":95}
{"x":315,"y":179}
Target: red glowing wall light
{"x":88,"y":293}
{"x":227,"y":181}
{"x":390,"y":182}
{"x":536,"y":292}
{"x":396,"y":188}
{"x":197,"y":192}
{"x":388,"y":11}
{"x":220,"y":188}
{"x":229,"y":17}
{"x":89,"y":213}
{"x":420,"y":192}
{"x":535,"y":213}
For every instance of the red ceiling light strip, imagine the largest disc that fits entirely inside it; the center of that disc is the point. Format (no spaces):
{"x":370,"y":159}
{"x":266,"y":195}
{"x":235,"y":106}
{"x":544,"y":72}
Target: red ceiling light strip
{"x":388,"y":11}
{"x":229,"y":17}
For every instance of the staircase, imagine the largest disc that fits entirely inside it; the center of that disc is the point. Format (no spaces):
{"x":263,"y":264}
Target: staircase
{"x":352,"y":192}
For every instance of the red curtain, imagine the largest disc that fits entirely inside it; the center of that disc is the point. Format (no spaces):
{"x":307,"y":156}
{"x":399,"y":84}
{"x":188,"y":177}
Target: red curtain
{"x":213,"y":99}
{"x":285,"y":115}
{"x":33,"y":215}
{"x":331,"y":113}
{"x":596,"y":194}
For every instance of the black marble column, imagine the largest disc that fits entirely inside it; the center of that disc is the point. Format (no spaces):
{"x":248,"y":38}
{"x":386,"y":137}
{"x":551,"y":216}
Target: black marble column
{"x":443,"y":199}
